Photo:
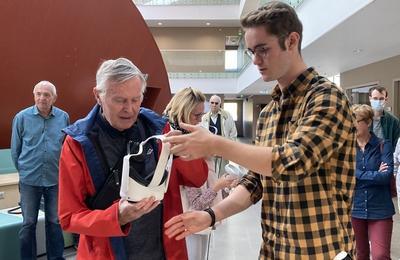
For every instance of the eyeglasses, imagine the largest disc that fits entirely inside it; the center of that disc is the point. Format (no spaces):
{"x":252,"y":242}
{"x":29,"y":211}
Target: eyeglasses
{"x":259,"y":51}
{"x":214,"y":103}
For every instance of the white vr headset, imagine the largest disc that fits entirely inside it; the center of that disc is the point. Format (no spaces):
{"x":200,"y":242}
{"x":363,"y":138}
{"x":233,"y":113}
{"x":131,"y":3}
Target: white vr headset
{"x":134,"y":191}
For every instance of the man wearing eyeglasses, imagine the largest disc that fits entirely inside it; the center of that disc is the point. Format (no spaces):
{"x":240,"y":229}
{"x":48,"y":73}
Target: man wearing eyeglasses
{"x":303,"y":163}
{"x":385,"y":125}
{"x":219,"y":122}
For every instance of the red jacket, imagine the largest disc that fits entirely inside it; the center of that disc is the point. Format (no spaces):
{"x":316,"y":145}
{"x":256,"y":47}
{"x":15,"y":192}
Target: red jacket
{"x":188,"y":173}
{"x":97,"y":226}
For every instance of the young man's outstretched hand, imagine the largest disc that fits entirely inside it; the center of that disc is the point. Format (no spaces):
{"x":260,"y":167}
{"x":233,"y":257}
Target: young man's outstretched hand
{"x":197,"y":144}
{"x":186,"y":224}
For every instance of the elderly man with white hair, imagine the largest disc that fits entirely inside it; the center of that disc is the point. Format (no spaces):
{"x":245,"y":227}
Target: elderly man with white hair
{"x":220,"y":122}
{"x":35,"y":148}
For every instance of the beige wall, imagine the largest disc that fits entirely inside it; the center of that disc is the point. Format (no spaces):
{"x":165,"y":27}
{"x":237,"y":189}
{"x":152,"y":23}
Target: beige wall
{"x":383,"y":72}
{"x":192,"y":38}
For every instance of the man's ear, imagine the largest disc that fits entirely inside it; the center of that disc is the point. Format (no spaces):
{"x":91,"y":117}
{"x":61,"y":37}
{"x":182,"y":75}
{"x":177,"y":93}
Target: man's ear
{"x":97,"y":96}
{"x":54,"y":99}
{"x":293,"y":40}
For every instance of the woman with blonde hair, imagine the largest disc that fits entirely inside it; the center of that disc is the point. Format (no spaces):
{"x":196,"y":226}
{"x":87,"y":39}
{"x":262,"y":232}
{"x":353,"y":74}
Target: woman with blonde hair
{"x":372,"y":203}
{"x":187,"y":106}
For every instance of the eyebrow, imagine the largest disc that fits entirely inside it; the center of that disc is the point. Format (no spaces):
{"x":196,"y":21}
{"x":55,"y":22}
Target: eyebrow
{"x":259,"y":45}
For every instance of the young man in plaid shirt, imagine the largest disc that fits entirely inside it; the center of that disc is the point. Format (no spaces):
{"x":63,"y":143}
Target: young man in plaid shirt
{"x":303,"y":164}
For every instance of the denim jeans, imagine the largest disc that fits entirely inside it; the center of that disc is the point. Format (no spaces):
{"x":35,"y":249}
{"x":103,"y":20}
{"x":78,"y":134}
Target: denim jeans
{"x":30,"y":203}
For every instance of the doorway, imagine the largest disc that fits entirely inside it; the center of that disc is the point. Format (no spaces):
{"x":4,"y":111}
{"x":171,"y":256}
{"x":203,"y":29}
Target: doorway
{"x":396,"y":99}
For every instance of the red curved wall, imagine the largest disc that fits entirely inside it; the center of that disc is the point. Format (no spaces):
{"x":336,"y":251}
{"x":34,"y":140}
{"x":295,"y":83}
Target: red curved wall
{"x":65,"y":42}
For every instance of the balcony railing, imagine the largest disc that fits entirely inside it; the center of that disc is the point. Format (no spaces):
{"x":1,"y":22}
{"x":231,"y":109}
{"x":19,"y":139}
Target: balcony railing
{"x":186,"y":2}
{"x":204,"y":63}
{"x":293,"y":3}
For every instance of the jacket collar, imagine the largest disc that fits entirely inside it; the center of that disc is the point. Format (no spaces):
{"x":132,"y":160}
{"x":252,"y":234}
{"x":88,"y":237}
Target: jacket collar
{"x":84,"y":125}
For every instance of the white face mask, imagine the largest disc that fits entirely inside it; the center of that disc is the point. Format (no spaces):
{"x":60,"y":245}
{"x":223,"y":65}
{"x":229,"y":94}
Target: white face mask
{"x":377,"y":105}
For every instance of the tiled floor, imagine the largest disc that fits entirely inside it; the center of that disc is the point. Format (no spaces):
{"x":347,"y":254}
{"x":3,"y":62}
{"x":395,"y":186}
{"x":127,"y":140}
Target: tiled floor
{"x":239,"y":237}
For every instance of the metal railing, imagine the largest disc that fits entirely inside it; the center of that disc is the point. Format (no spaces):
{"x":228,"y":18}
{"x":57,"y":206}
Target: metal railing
{"x":293,"y":3}
{"x":186,"y":2}
{"x":204,"y":63}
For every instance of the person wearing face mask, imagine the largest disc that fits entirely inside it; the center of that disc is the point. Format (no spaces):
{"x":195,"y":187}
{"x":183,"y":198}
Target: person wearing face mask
{"x":385,"y":125}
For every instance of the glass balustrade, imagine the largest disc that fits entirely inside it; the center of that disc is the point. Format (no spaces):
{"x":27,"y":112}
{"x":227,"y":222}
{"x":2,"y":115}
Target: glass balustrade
{"x":293,"y":3}
{"x":187,"y":2}
{"x":204,"y":63}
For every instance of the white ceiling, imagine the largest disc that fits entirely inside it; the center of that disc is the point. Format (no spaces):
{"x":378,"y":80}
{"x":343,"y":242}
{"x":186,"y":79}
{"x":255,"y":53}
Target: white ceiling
{"x":369,"y":35}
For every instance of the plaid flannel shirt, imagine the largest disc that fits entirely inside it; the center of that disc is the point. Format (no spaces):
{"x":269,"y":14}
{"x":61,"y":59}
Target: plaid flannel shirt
{"x":306,"y":204}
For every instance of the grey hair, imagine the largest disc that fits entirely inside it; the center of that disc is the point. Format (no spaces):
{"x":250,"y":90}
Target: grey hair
{"x":216,"y":97}
{"x":51,"y":86}
{"x":117,"y":71}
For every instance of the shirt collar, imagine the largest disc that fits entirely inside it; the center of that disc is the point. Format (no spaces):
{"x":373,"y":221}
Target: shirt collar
{"x":106,"y":127}
{"x":297,"y":88}
{"x":36,"y":111}
{"x":373,"y":140}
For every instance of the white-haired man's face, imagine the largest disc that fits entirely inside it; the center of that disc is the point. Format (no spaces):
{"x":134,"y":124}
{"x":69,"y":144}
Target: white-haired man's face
{"x":215,"y":104}
{"x":44,"y":98}
{"x":121,"y":103}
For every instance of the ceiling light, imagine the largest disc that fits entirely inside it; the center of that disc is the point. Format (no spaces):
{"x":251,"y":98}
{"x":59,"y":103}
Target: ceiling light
{"x":357,"y":51}
{"x":159,"y":23}
{"x":208,"y":24}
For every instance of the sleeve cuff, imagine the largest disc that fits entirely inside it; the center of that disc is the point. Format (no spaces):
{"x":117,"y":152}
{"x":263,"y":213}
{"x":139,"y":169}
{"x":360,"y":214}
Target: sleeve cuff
{"x":252,"y":183}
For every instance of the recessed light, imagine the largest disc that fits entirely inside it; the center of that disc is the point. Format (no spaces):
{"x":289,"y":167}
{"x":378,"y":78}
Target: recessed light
{"x":208,"y":24}
{"x":159,"y":23}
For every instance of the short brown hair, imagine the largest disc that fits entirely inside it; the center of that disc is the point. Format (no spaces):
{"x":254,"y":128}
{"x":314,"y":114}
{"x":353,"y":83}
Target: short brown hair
{"x":364,"y":112}
{"x":380,"y":89}
{"x":278,"y":18}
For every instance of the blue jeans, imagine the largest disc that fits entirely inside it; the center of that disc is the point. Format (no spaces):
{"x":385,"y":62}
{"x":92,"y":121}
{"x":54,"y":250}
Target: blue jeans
{"x":30,"y":203}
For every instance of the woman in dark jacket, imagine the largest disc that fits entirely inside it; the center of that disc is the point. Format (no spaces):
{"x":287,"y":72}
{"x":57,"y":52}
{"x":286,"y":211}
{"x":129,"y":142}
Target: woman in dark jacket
{"x":372,"y":204}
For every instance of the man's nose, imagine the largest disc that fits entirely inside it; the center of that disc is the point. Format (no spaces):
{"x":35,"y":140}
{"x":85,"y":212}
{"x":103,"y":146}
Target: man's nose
{"x":257,"y":60}
{"x":130,"y":107}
